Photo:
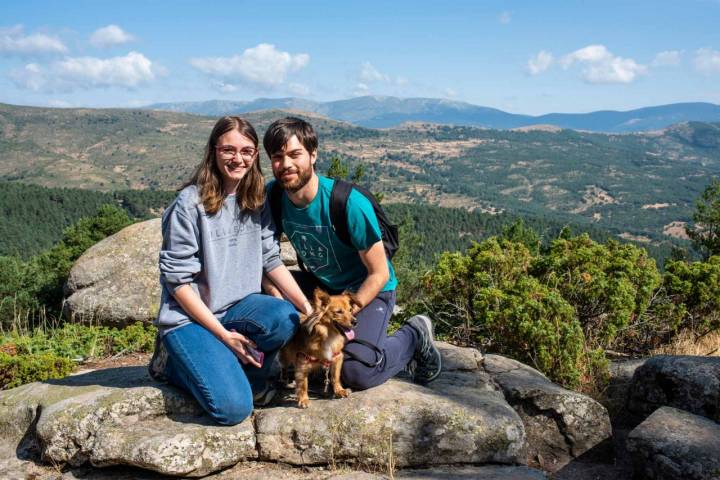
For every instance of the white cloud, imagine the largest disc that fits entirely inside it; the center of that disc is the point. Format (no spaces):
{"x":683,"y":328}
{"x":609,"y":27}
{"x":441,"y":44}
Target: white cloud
{"x":668,"y":58}
{"x":505,"y":17}
{"x":370,"y":74}
{"x":361,"y":89}
{"x":262,"y":66}
{"x":707,"y":60}
{"x":601,"y":66}
{"x":450,"y":93}
{"x":71,"y":73}
{"x":14,"y":42}
{"x":226,"y":87}
{"x":110,"y":36}
{"x":540,"y":62}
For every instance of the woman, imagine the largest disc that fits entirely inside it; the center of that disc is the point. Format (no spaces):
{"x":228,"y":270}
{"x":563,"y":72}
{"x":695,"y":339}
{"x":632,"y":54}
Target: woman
{"x":217,"y":243}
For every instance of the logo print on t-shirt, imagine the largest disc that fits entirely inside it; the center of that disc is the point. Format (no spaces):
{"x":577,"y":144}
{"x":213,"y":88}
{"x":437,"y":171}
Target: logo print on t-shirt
{"x":314,"y":253}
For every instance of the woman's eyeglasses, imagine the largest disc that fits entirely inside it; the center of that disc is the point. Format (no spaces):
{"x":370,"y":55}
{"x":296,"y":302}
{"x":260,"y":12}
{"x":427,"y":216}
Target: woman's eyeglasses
{"x":228,"y":152}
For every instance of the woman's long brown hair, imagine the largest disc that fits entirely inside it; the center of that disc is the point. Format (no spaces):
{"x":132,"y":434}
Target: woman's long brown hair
{"x":250,"y":192}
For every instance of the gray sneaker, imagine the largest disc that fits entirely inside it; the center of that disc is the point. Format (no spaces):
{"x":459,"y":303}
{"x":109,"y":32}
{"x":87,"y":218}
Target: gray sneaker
{"x":265,"y":397}
{"x":426,"y":364}
{"x":158,"y":361}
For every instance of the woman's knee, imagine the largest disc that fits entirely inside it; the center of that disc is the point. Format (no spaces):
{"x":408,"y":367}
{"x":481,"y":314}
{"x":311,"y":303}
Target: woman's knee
{"x":230,"y":411}
{"x":284,"y":322}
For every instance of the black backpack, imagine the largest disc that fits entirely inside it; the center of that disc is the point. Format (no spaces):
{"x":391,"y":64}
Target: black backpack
{"x":338,"y":214}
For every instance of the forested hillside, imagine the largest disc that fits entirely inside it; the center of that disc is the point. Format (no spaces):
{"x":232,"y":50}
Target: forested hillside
{"x":638,"y":186}
{"x":33,"y":219}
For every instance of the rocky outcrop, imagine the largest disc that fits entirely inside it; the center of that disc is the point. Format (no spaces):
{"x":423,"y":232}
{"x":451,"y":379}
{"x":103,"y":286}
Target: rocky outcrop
{"x":685,"y":382}
{"x":672,"y":444}
{"x":618,"y":389}
{"x":121,"y":417}
{"x":115,"y":282}
{"x":560,"y":424}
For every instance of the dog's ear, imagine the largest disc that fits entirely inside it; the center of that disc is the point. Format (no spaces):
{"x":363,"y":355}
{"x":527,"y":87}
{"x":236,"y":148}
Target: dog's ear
{"x":310,"y":322}
{"x":354,"y":302}
{"x":321,"y":298}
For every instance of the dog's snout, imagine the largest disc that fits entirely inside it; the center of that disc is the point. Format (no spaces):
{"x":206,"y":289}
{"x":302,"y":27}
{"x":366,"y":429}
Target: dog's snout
{"x":354,"y":322}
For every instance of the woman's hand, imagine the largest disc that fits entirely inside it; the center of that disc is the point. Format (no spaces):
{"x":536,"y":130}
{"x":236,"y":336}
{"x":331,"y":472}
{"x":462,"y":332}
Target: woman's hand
{"x":238,"y":343}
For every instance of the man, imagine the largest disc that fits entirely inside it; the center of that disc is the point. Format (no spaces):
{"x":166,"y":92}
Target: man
{"x":360,"y":267}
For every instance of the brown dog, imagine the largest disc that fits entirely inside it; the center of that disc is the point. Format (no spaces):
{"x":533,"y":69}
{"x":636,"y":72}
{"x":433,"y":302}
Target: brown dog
{"x":319,"y":342}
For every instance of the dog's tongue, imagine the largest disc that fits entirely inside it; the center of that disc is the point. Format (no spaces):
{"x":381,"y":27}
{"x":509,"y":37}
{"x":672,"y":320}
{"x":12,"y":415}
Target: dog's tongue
{"x":349,"y":334}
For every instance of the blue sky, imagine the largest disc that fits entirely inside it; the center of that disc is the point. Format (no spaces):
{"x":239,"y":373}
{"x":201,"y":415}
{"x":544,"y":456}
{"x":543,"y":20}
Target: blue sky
{"x":520,"y":56}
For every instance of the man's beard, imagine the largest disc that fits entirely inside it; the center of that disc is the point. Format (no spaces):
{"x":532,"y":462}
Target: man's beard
{"x":303,"y":177}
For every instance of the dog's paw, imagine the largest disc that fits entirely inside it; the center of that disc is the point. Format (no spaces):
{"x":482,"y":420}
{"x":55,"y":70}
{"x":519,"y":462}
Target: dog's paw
{"x":342,"y":393}
{"x":304,"y":403}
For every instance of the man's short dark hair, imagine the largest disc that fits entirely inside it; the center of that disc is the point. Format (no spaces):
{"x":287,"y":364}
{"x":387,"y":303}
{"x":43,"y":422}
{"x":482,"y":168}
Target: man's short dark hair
{"x":280,"y":131}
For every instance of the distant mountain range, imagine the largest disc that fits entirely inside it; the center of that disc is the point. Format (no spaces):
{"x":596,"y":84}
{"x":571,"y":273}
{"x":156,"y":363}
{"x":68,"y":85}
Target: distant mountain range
{"x":642,"y":186}
{"x":386,"y":112}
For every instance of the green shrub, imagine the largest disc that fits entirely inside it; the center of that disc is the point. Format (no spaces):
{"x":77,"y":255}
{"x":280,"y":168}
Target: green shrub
{"x":133,"y":338}
{"x":609,"y":285}
{"x":31,"y":290}
{"x":488,"y":297}
{"x":694,"y":290}
{"x":25,"y":356}
{"x":16,"y":370}
{"x":82,"y":341}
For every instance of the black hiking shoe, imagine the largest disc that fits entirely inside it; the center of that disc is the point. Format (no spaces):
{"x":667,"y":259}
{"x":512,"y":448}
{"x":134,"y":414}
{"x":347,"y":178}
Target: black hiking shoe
{"x":426,"y":364}
{"x":156,"y":368}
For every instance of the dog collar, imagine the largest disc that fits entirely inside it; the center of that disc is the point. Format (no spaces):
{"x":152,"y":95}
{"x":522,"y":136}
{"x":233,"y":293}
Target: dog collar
{"x":325,"y":363}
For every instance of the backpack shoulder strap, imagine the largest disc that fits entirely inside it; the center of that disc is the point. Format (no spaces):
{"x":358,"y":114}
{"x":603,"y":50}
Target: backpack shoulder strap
{"x":338,"y":209}
{"x":276,"y":207}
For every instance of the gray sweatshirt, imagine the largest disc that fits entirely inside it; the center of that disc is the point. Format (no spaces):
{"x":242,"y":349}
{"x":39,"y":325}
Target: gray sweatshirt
{"x":221,"y":256}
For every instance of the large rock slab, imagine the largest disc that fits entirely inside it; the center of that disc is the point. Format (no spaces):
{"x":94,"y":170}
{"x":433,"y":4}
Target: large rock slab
{"x":461,"y":418}
{"x":686,"y":382}
{"x":560,"y":424}
{"x":672,"y":444}
{"x":119,"y":417}
{"x":116,"y":281}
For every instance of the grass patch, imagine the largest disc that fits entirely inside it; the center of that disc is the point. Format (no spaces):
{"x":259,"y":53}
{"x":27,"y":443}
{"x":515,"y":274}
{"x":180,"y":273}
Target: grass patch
{"x":46,"y":353}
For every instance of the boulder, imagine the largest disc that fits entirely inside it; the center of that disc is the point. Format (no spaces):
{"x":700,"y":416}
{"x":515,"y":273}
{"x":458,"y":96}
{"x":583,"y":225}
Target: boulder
{"x":672,"y":444}
{"x":459,"y":418}
{"x":560,"y":424}
{"x":686,"y":382}
{"x":119,"y":416}
{"x":618,"y":390}
{"x":288,"y":254}
{"x":115,"y":282}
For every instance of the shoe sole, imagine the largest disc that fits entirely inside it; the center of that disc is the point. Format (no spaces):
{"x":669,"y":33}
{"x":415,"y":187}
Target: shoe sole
{"x":430,"y":328}
{"x":265,"y":399}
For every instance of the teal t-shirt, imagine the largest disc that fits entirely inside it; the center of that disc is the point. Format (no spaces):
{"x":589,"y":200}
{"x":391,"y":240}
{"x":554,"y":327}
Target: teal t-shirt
{"x":310,"y":231}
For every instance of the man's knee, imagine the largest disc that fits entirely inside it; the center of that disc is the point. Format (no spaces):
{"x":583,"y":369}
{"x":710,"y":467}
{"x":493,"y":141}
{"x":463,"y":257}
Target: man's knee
{"x":357,"y":376}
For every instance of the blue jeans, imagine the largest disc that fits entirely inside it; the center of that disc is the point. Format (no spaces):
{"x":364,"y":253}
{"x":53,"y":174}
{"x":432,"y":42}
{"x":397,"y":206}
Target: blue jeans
{"x":201,"y":364}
